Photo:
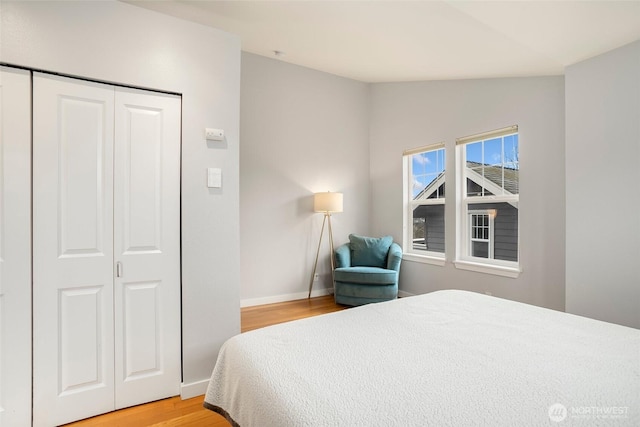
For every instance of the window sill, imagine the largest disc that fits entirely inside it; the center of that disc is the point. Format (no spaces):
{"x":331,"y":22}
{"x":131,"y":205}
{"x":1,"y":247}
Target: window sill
{"x":424,"y":259}
{"x":497,"y":270}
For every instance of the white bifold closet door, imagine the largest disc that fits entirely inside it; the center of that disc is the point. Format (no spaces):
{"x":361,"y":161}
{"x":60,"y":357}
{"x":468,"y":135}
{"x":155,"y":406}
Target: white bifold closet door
{"x":147,"y":247}
{"x":15,"y":247}
{"x":106,"y":251}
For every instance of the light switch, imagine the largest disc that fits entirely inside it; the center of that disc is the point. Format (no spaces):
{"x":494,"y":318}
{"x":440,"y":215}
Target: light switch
{"x":214,"y":178}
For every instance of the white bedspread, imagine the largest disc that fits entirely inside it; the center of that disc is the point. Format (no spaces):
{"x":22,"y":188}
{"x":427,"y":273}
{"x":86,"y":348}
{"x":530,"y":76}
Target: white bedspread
{"x":448,"y":358}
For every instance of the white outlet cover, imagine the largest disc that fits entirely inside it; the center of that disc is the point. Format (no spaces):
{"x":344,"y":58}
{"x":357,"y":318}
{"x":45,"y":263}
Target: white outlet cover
{"x":214,"y":134}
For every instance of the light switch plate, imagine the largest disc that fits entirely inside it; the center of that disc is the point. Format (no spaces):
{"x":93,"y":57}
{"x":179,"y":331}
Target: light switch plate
{"x":214,"y":178}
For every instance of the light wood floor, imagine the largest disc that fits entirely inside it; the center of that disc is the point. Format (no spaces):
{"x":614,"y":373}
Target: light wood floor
{"x":190,"y":413}
{"x":271,"y":314}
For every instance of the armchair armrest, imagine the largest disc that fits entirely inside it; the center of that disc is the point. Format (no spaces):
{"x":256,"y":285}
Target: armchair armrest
{"x":395,"y":257}
{"x":343,"y":256}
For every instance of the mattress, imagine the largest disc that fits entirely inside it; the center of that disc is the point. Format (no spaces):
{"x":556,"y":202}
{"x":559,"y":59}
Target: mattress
{"x":447,"y":358}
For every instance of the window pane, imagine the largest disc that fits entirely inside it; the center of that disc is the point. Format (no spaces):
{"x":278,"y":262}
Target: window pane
{"x":512,"y":164}
{"x":474,"y":189}
{"x":492,"y":166}
{"x":428,"y":228}
{"x":480,"y":249}
{"x":419,"y":233}
{"x":439,"y":194}
{"x":431,"y":162}
{"x":428,"y":175}
{"x":474,"y":152}
{"x":504,"y":239}
{"x":493,"y":152}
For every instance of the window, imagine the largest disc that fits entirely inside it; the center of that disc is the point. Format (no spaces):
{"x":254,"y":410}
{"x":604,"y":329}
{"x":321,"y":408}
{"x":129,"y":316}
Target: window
{"x":424,"y":194}
{"x":488,"y":172}
{"x":485,"y":203}
{"x":481,"y":233}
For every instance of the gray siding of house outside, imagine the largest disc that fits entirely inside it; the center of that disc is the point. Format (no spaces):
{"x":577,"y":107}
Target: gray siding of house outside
{"x":434,"y":219}
{"x":505,"y":231}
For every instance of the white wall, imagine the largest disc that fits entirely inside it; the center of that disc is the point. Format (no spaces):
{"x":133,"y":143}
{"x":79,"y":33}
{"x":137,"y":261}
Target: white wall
{"x":408,"y":115}
{"x":122,"y":43}
{"x":302,"y":131}
{"x":603,"y":179}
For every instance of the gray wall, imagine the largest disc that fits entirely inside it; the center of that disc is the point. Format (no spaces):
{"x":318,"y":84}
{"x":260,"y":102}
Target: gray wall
{"x":302,"y":131}
{"x":603,"y":177}
{"x":407,"y":115}
{"x":121,"y":43}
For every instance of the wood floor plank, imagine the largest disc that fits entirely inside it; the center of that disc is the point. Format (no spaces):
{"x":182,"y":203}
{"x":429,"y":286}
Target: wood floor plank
{"x":171,"y":412}
{"x":271,"y":314}
{"x":190,"y":412}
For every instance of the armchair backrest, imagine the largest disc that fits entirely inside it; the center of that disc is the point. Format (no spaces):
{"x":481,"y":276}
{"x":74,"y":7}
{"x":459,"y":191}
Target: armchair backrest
{"x":370,"y":252}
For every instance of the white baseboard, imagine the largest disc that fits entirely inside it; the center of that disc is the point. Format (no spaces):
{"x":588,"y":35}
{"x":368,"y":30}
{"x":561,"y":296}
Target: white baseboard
{"x":403,"y":294}
{"x":198,"y":388}
{"x":250,"y":302}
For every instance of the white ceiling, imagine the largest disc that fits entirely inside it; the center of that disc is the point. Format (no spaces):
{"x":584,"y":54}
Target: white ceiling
{"x":385,"y":41}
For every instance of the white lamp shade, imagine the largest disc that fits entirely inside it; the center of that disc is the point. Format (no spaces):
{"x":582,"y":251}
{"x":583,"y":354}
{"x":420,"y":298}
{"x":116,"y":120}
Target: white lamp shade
{"x":327,"y":202}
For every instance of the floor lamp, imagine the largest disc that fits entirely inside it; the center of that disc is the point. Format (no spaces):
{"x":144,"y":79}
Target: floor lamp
{"x":326,"y":203}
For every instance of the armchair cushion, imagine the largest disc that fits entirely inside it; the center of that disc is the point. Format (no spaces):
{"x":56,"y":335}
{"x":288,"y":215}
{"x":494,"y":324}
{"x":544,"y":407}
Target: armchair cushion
{"x":369,"y":251}
{"x":366,"y":275}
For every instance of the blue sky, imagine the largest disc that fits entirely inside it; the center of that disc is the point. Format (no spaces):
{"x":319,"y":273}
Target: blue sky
{"x":492,"y":149}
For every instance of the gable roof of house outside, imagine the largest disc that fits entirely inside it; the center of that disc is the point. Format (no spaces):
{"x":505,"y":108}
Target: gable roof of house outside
{"x":492,"y":173}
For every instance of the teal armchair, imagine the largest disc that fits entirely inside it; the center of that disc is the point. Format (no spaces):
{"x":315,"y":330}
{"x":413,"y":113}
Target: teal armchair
{"x":367,"y":270}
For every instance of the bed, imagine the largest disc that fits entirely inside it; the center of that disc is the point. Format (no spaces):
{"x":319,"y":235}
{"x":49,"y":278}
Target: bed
{"x":447,"y":358}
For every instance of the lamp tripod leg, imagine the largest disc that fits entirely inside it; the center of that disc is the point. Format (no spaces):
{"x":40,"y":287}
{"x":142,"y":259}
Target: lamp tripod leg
{"x":315,"y":264}
{"x":331,"y":251}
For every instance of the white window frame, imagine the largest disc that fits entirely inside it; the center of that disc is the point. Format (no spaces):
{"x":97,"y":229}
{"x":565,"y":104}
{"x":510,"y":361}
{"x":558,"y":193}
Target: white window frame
{"x":409,"y":253}
{"x":463,"y":259}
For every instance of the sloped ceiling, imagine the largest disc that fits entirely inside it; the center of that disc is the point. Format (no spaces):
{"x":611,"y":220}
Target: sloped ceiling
{"x":390,"y":41}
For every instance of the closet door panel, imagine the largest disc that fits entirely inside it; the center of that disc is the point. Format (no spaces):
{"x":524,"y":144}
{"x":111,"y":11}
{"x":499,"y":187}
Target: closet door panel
{"x":15,"y":247}
{"x":147,"y":246}
{"x":143,"y":338}
{"x":81,"y":169}
{"x":81,"y":335}
{"x":73,"y":252}
{"x":141,"y":153}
